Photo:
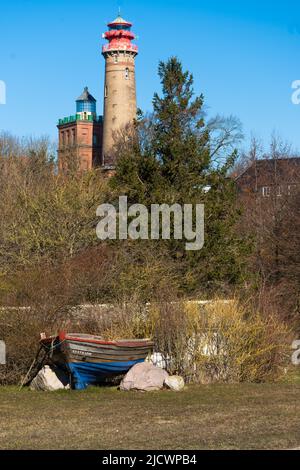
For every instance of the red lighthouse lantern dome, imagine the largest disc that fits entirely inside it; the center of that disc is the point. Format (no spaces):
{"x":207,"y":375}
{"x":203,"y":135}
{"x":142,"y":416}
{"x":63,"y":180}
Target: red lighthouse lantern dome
{"x":119,"y":36}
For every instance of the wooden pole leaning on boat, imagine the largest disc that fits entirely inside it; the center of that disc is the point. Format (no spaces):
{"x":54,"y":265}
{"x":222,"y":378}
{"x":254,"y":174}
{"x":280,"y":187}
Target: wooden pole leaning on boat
{"x":31,"y":367}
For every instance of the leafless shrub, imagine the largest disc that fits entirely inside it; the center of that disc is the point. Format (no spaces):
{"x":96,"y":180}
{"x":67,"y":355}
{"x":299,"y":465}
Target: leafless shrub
{"x":216,"y":342}
{"x":220,"y":342}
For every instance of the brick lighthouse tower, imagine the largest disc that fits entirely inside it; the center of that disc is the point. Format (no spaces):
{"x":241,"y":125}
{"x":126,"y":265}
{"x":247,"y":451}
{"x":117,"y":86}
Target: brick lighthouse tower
{"x":120,"y":89}
{"x":80,"y":135}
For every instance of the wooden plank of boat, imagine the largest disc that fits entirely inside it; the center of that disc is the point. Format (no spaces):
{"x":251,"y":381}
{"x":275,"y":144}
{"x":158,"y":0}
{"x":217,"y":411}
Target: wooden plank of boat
{"x":109,"y":346}
{"x":75,"y":351}
{"x":130,"y":357}
{"x":130,"y":343}
{"x":94,"y":338}
{"x":105,"y":349}
{"x":117,"y":354}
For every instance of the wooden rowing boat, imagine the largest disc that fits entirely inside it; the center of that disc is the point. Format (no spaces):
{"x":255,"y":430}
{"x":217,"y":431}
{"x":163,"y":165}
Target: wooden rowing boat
{"x":91,"y":359}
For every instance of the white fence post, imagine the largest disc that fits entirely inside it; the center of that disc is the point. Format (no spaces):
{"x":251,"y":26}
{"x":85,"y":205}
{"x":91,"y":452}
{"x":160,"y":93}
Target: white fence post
{"x":2,"y":353}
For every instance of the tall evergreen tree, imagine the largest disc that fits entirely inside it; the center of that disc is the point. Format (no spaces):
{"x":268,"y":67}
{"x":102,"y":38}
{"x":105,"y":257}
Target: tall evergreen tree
{"x":173,"y":158}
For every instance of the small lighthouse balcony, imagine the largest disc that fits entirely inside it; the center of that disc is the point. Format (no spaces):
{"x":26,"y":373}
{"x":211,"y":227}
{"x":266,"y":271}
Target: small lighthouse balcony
{"x":79,"y":117}
{"x":120,"y":47}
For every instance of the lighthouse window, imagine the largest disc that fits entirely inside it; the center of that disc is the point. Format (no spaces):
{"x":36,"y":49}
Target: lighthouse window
{"x":119,"y":27}
{"x":116,"y":59}
{"x":86,"y":106}
{"x":127,"y":73}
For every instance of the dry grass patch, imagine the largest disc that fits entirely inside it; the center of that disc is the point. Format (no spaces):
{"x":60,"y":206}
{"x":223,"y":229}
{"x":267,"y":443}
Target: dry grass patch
{"x":245,"y":416}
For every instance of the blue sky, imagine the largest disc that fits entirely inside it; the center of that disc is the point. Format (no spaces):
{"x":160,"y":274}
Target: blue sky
{"x":244,"y":56}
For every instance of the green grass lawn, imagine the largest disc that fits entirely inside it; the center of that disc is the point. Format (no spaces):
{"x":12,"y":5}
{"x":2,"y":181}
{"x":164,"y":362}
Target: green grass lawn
{"x":243,"y":416}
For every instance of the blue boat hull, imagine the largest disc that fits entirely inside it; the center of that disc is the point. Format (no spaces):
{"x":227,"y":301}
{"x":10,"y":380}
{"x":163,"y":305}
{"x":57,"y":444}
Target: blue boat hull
{"x":88,"y":373}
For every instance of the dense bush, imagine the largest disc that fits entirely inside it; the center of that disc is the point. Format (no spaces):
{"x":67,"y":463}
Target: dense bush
{"x":214,"y":342}
{"x":220,"y":341}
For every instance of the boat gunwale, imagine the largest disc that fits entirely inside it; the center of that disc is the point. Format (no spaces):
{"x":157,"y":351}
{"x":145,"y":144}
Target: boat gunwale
{"x":62,"y":336}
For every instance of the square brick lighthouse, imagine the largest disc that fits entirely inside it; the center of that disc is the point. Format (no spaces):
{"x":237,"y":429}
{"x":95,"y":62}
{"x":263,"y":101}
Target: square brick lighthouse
{"x":87,"y":137}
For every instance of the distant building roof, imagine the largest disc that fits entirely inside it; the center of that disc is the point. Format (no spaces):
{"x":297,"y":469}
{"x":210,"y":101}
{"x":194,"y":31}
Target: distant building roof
{"x":86,"y":96}
{"x":268,"y":172}
{"x":281,"y":165}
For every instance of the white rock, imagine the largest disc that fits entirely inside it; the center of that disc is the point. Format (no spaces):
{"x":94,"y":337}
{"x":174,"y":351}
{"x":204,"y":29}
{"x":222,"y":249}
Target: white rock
{"x":175,"y":382}
{"x":144,"y":376}
{"x":159,"y":360}
{"x":49,"y":379}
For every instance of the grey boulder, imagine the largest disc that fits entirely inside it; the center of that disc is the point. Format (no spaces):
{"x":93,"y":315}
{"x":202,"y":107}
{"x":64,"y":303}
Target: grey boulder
{"x":144,"y":376}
